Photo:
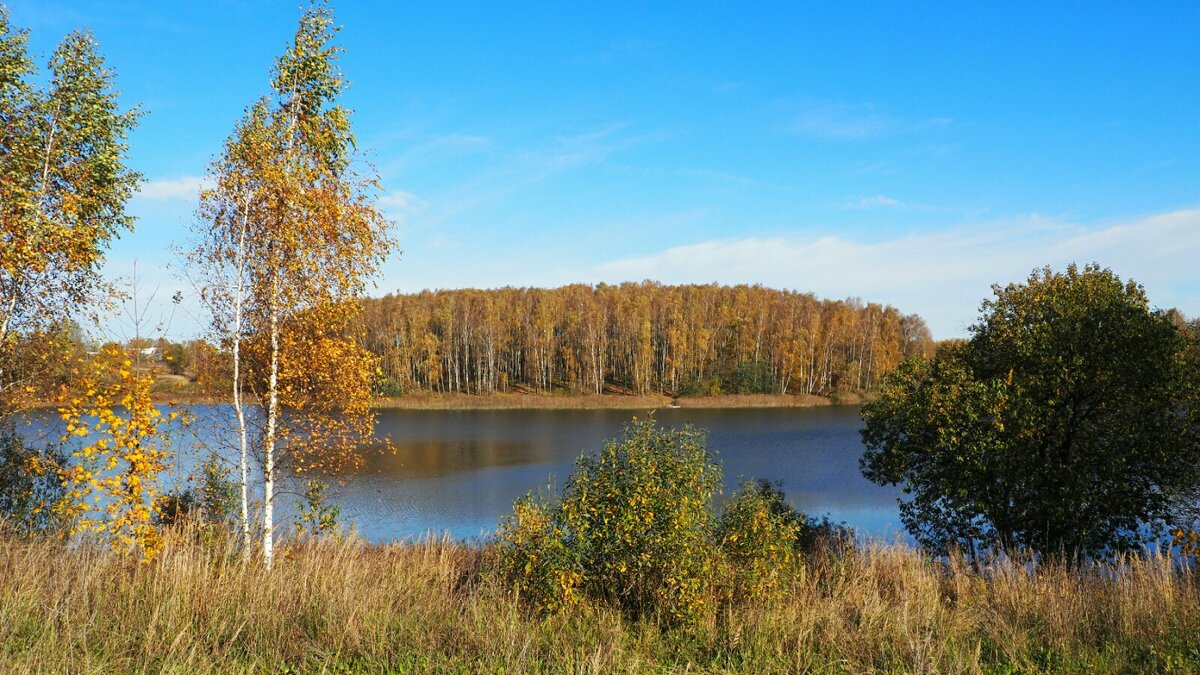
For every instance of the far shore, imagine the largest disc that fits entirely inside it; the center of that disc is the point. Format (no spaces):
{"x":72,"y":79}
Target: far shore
{"x":535,"y":401}
{"x":517,"y":401}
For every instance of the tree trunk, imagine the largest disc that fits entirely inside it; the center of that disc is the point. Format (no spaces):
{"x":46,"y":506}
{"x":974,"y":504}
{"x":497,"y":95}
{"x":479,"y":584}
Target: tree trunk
{"x":244,"y":463}
{"x":269,"y":436}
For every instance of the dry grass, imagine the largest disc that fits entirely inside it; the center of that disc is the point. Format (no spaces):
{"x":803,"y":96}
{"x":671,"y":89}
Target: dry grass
{"x":428,"y":607}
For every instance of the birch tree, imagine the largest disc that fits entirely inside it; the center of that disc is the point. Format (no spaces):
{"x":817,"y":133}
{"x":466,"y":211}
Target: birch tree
{"x":295,"y":234}
{"x":64,"y":185}
{"x":220,"y":259}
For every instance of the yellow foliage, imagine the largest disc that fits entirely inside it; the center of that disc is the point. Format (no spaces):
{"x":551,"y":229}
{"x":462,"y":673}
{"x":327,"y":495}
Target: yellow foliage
{"x":113,"y":489}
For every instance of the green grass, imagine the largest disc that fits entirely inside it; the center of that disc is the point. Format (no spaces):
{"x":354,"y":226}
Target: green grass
{"x":346,"y":607}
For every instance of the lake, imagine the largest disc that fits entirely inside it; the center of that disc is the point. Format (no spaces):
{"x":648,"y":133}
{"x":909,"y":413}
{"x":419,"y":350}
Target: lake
{"x":458,"y":471}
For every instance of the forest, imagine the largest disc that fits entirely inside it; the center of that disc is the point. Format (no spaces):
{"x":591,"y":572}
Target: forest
{"x":638,"y":338}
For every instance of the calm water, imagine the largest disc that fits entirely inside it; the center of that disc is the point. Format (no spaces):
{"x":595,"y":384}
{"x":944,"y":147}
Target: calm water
{"x":458,"y":472}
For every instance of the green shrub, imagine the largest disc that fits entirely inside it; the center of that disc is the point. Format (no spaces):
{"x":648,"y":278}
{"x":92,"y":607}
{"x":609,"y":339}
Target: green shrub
{"x":208,"y":498}
{"x":759,"y":534}
{"x":536,"y":560}
{"x":317,"y":516}
{"x":30,"y":482}
{"x":640,"y":514}
{"x":633,"y":529}
{"x":755,"y":377}
{"x":386,"y":386}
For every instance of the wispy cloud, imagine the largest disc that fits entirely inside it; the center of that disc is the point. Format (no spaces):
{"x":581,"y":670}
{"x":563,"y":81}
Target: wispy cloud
{"x":846,"y":122}
{"x":874,"y":202}
{"x":630,"y":47}
{"x":841,"y":122}
{"x":1169,"y":163}
{"x":728,"y":87}
{"x":398,"y":200}
{"x":521,"y":169}
{"x":424,"y":152}
{"x":459,"y":141}
{"x":943,"y":275}
{"x":885,"y":202}
{"x":620,"y":50}
{"x":171,"y":189}
{"x":400,"y":205}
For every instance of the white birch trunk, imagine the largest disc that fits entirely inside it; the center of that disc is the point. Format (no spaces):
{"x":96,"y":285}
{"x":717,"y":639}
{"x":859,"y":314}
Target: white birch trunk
{"x":269,"y":435}
{"x":243,"y":464}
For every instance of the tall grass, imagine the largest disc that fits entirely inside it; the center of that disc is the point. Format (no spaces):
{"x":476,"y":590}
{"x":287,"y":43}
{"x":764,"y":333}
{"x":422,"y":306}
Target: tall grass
{"x":344,"y":606}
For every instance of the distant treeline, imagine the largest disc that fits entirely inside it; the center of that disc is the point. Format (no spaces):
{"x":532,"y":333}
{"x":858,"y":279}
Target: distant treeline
{"x":640,"y":338}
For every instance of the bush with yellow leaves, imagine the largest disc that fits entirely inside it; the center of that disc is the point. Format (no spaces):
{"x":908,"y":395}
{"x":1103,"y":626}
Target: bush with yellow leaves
{"x":112,"y":485}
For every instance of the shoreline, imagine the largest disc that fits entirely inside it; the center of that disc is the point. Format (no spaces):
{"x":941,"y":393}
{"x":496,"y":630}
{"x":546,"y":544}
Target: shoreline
{"x":593,"y":401}
{"x":530,"y":401}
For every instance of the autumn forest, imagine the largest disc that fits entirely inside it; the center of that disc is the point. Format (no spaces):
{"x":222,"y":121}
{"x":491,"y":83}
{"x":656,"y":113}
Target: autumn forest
{"x":638,"y":338}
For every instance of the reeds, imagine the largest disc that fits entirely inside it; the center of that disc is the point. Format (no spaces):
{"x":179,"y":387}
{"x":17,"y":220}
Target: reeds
{"x":430,"y":606}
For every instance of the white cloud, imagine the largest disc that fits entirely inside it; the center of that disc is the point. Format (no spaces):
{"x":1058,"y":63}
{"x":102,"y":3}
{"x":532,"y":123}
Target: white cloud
{"x":872,"y":202}
{"x":171,"y":189}
{"x":398,"y":200}
{"x":885,"y":202}
{"x":401,"y":206}
{"x":460,"y":141}
{"x":944,"y":275}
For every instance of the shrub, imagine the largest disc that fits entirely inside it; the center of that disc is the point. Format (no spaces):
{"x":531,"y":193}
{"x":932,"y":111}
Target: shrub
{"x":633,"y":529}
{"x":208,"y":498}
{"x":762,"y":537}
{"x":822,"y":536}
{"x":759,"y":534}
{"x":30,"y":483}
{"x":710,"y":386}
{"x":755,"y":377}
{"x":386,"y":386}
{"x":317,"y":516}
{"x":536,"y":560}
{"x":640,"y":514}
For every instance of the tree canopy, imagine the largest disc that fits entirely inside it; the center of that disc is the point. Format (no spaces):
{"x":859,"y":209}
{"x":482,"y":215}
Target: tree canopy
{"x":1065,"y":425}
{"x":64,"y":185}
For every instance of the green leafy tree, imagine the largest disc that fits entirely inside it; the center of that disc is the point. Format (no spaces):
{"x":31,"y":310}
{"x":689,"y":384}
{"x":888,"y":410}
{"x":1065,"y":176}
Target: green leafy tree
{"x":1062,"y":426}
{"x":64,"y":185}
{"x":178,"y":358}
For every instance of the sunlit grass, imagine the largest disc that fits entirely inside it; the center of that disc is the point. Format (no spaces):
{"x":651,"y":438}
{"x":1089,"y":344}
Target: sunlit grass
{"x":430,"y":606}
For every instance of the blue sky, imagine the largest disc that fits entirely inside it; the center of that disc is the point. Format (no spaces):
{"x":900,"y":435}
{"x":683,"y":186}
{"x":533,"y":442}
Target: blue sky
{"x":905,"y":154}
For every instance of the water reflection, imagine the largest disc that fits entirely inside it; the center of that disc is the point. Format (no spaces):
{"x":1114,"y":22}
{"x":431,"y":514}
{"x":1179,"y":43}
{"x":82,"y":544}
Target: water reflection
{"x":458,"y":472}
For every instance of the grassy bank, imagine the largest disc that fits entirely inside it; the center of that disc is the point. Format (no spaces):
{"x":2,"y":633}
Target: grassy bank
{"x":429,"y":607}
